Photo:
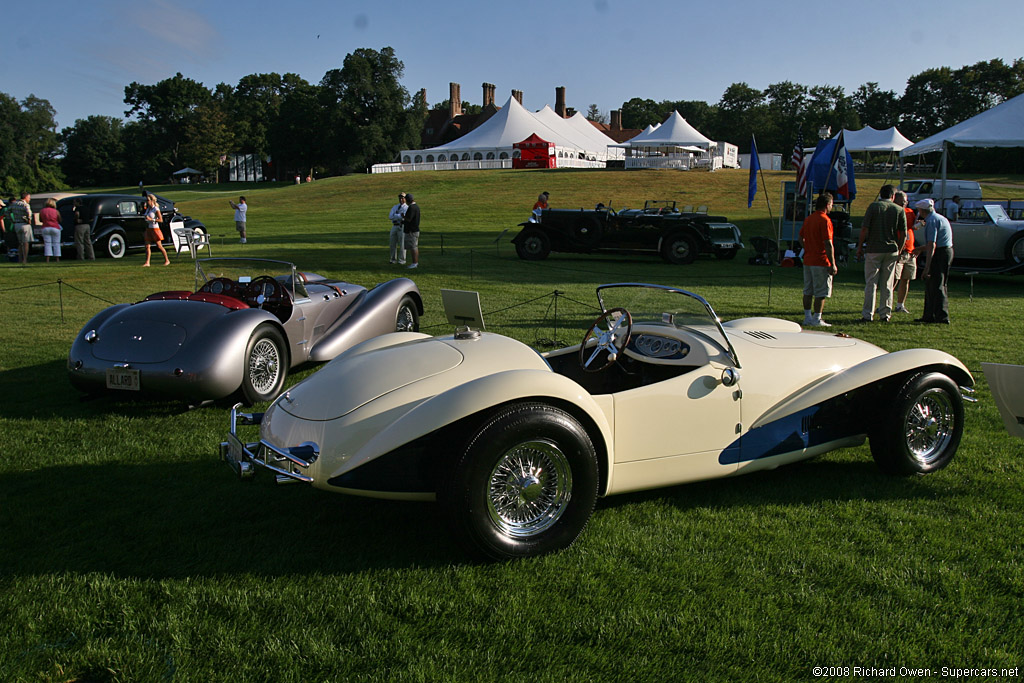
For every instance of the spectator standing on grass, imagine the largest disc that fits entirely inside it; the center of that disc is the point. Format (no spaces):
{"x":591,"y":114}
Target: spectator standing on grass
{"x":906,"y":263}
{"x":883,"y":231}
{"x":411,"y":227}
{"x":397,"y":235}
{"x":50,"y":220}
{"x":83,"y":232}
{"x":938,"y":256}
{"x":21,"y":217}
{"x":154,"y":235}
{"x":240,"y":208}
{"x":819,"y":261}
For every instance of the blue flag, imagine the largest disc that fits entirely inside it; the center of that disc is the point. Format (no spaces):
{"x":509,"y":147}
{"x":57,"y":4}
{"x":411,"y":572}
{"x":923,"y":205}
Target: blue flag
{"x":755,"y":166}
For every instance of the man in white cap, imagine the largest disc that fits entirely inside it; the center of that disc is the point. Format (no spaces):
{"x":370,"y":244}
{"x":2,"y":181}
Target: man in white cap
{"x":938,"y":254}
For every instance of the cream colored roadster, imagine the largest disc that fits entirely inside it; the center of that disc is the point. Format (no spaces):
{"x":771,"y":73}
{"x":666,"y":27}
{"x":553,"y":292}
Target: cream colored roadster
{"x":517,"y":445}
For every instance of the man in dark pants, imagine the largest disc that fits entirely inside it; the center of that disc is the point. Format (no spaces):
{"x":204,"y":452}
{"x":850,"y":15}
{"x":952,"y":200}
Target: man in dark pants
{"x":938,"y":254}
{"x":411,"y":226}
{"x":883,"y":231}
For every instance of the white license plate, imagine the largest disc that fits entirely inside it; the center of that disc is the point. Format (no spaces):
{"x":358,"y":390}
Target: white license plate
{"x":726,"y":245}
{"x":125,"y":379}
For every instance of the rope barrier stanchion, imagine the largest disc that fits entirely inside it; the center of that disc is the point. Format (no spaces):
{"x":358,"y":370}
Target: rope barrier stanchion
{"x":60,"y":295}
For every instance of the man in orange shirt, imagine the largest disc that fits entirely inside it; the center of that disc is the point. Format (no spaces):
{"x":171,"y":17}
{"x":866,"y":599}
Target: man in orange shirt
{"x":906,"y":264}
{"x":819,"y":260}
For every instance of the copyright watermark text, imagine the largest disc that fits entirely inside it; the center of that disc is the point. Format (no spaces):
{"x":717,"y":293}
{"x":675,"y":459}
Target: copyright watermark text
{"x":945,"y":672}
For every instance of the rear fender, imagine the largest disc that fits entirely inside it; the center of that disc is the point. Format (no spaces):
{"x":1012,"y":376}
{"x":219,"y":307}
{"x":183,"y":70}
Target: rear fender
{"x":218,"y":350}
{"x":481,"y":396}
{"x":371,"y":317}
{"x":871,"y":371}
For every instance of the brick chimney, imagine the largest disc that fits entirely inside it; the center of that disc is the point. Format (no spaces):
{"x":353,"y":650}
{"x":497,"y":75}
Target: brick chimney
{"x":454,"y":100}
{"x":488,"y":94}
{"x":616,"y":119}
{"x":423,"y":98}
{"x":569,"y":113}
{"x":560,"y":101}
{"x":518,"y":94}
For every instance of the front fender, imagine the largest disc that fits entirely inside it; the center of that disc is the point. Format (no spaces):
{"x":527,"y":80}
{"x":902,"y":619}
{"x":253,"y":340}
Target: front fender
{"x":373,"y":316}
{"x":477,"y":396}
{"x":870,"y":372}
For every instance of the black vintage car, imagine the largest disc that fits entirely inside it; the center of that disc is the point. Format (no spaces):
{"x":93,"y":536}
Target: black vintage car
{"x":118,"y":221}
{"x":657,"y":228}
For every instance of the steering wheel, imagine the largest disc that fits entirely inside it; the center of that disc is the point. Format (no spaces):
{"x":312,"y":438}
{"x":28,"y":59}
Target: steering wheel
{"x":265,"y":291}
{"x":617,"y":324}
{"x":219,"y":285}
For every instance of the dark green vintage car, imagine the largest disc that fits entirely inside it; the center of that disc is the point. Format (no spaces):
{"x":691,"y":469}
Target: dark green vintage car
{"x":658,"y":228}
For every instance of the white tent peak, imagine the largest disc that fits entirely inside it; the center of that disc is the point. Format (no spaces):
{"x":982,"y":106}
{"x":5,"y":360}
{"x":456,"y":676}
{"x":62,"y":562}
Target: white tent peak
{"x":1000,"y":126}
{"x":675,"y":131}
{"x":869,"y":139}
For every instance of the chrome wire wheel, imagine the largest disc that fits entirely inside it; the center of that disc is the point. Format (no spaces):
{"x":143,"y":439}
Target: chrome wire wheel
{"x":930,"y":425}
{"x":529,"y":488}
{"x":264,"y":366}
{"x":406,"y":321}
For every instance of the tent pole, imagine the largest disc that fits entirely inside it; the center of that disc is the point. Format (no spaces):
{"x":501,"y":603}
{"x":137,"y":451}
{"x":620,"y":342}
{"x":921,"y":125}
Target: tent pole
{"x":942,"y":194}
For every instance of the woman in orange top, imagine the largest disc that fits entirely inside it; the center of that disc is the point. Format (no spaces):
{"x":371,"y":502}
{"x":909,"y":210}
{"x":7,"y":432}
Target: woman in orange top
{"x":906,"y":264}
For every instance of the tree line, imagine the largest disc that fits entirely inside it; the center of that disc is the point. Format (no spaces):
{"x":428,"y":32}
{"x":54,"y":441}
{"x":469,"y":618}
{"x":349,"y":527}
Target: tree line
{"x":360,"y":114}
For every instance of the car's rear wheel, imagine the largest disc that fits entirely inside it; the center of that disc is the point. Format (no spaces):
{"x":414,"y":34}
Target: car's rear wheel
{"x":679,"y":248}
{"x":266,"y":365}
{"x":408,"y":316}
{"x":115,"y":245}
{"x":1015,"y":249}
{"x":524,"y":485}
{"x":920,"y":431}
{"x":534,"y":245}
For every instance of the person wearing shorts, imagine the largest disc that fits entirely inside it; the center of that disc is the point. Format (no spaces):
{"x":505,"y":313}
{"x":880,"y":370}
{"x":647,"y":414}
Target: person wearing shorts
{"x":906,"y":264}
{"x":819,"y":261}
{"x":21,"y":216}
{"x":154,"y":235}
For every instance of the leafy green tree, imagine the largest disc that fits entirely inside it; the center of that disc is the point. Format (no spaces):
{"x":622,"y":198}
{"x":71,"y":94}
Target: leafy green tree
{"x":875,"y":107}
{"x":594,"y":114}
{"x":741,"y":112}
{"x":29,"y":146}
{"x":640,"y":113}
{"x":208,"y":138}
{"x":166,"y":109}
{"x":370,"y":115}
{"x":295,"y":137}
{"x":94,"y":152}
{"x":254,"y":106}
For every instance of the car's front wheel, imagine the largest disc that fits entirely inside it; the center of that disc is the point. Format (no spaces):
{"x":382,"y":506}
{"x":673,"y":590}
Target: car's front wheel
{"x":266,"y":365}
{"x":115,"y":245}
{"x":524,"y":485}
{"x":408,"y":316}
{"x":534,"y":245}
{"x":919,"y":431}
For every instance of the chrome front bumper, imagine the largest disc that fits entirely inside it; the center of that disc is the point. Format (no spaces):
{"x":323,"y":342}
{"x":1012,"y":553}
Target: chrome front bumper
{"x":244,"y":457}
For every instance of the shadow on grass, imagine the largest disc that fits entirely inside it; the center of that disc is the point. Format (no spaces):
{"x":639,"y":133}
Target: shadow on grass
{"x":196,"y":519}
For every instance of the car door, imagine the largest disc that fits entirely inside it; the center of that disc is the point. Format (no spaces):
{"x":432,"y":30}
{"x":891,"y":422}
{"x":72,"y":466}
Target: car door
{"x":131,"y":216}
{"x":691,"y":419}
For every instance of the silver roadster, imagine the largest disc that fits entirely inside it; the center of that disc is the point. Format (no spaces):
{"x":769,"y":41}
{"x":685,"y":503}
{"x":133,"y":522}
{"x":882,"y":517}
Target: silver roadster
{"x":246,"y":324}
{"x":516,"y":446}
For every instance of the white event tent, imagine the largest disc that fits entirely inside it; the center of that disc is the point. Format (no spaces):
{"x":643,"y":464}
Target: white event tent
{"x":1000,"y":126}
{"x":671,"y":144}
{"x":490,"y":144}
{"x":869,"y":139}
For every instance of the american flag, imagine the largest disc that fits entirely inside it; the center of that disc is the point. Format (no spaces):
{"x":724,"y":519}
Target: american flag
{"x":798,"y":150}
{"x":799,"y":162}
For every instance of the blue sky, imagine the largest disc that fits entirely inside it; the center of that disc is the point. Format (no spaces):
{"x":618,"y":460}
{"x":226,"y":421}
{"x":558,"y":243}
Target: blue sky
{"x":81,"y":55}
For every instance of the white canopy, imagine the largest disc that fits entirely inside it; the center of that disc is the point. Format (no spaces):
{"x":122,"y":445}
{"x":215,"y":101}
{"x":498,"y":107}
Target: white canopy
{"x":869,"y":139}
{"x":593,"y":141}
{"x":1000,"y":126}
{"x":674,"y":132}
{"x":187,"y":171}
{"x":512,"y":123}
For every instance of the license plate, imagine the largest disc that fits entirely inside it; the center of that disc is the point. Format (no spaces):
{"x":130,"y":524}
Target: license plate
{"x":125,"y":379}
{"x":235,"y":450}
{"x":726,"y":245}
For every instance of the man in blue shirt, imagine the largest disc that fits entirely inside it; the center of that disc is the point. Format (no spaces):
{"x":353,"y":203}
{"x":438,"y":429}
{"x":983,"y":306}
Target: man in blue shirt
{"x":938,"y":255}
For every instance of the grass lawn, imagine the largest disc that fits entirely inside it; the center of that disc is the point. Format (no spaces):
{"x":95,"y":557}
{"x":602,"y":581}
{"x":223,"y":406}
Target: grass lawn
{"x":129,"y":552}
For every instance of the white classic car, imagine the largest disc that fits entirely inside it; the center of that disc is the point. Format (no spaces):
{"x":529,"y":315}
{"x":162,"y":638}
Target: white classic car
{"x":985,"y":237}
{"x":517,"y":445}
